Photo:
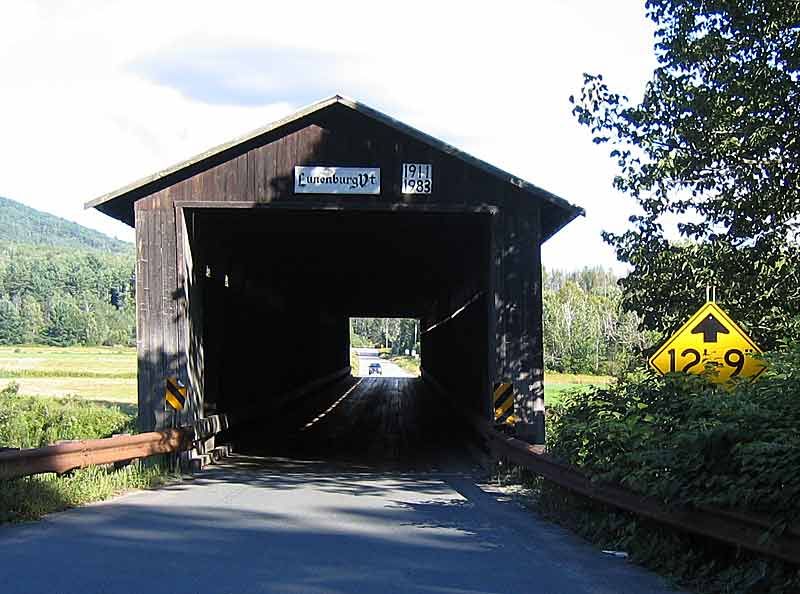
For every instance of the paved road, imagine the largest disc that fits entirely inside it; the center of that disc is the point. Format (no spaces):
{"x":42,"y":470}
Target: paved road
{"x":409,"y":512}
{"x":367,"y":356}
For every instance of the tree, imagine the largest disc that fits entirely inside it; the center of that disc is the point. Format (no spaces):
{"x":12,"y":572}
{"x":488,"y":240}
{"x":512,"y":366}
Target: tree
{"x":585,"y":329}
{"x":32,"y":319}
{"x":46,"y":284}
{"x":715,"y":145}
{"x":10,"y":322}
{"x":66,"y":324}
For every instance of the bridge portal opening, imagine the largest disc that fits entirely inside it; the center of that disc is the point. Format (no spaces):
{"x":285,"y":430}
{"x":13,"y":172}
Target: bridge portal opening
{"x":270,"y":302}
{"x":388,"y":347}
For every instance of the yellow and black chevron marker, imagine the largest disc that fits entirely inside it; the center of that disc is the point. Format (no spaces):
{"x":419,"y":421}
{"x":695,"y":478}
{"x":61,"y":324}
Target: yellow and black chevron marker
{"x":176,"y":393}
{"x":503,"y":401}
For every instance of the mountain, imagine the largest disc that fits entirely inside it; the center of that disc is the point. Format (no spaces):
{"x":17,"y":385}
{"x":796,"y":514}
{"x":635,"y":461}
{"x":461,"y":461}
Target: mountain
{"x":22,"y":224}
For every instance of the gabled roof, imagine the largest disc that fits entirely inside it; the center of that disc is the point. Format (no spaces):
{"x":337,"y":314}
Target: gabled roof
{"x":121,"y":201}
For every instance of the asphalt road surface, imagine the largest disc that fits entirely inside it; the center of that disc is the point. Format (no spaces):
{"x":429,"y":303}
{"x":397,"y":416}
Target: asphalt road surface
{"x":367,"y":356}
{"x":376,"y":491}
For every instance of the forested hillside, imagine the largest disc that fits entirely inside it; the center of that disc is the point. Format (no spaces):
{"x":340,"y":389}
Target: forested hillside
{"x":22,"y":224}
{"x":61,"y":283}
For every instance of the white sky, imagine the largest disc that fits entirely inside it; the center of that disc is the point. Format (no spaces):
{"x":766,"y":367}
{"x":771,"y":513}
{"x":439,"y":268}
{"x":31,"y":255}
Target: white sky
{"x":94,"y":95}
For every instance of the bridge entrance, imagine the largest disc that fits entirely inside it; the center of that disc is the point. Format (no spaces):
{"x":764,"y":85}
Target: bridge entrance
{"x":270,"y":306}
{"x":252,"y":257}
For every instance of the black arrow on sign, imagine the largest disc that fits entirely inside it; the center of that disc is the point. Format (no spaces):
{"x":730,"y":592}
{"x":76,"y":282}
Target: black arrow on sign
{"x":710,"y":327}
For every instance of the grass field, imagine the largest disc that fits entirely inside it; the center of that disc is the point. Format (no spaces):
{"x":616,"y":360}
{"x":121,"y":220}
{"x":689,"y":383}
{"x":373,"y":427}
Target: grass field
{"x":91,"y":373}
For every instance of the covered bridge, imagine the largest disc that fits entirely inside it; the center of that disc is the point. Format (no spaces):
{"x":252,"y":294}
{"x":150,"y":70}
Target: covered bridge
{"x":252,"y":256}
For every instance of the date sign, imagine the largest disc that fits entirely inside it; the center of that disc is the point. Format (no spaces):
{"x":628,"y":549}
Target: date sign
{"x":709,"y":341}
{"x":417,"y":178}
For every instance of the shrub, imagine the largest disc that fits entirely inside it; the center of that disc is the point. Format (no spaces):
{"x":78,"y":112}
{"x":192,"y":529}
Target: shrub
{"x":27,"y":422}
{"x":33,"y":422}
{"x":687,"y":442}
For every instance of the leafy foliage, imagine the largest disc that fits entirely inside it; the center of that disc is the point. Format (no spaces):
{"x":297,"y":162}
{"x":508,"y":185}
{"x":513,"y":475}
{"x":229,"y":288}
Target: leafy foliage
{"x":34,"y":422}
{"x":713,"y":148}
{"x":713,"y":145}
{"x":397,"y":334}
{"x":687,"y":442}
{"x":10,"y":322}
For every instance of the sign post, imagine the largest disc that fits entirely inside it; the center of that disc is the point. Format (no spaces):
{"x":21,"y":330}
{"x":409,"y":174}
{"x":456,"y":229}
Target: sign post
{"x":709,"y":338}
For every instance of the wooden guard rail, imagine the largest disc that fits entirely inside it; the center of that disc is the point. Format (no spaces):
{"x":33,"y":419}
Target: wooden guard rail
{"x":735,"y":528}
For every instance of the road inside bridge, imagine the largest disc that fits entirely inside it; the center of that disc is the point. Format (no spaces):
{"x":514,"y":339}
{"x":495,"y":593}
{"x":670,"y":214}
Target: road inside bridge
{"x":381,"y":494}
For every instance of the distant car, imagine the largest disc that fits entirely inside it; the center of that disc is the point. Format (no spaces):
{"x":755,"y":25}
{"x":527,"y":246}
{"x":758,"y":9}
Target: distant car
{"x":375,"y":368}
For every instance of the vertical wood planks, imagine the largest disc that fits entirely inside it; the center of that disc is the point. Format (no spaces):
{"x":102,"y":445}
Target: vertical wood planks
{"x":144,"y":375}
{"x":286,"y":158}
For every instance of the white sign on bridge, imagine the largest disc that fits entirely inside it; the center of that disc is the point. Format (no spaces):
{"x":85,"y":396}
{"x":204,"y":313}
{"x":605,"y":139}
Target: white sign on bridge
{"x":337,"y":180}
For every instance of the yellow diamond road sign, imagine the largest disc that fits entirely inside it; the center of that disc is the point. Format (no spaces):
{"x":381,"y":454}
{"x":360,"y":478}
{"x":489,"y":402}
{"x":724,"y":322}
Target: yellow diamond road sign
{"x":175,"y":394}
{"x":709,"y":337}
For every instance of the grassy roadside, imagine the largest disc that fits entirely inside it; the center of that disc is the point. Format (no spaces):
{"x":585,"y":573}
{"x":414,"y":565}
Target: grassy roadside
{"x":686,"y":443}
{"x":27,"y":421}
{"x":31,"y":498}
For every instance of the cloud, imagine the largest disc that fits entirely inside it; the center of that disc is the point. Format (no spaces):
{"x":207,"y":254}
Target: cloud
{"x":246,"y":76}
{"x":97,"y":94}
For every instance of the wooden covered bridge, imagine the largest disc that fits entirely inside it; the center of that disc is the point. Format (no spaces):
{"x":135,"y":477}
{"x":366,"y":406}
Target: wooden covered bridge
{"x":252,"y":256}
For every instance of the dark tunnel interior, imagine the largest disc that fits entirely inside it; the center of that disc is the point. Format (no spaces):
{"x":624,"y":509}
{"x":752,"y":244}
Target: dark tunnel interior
{"x":271,"y":292}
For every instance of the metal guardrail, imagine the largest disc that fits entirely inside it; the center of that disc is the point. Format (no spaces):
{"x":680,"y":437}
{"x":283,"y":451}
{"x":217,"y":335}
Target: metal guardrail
{"x":745,"y":530}
{"x":64,"y":457}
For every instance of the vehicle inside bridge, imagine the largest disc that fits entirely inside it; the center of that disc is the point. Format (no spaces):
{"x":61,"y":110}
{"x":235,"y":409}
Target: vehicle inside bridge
{"x":270,"y":298}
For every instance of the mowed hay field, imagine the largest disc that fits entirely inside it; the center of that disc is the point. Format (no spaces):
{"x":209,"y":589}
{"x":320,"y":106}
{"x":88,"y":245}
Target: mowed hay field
{"x":92,"y":373}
